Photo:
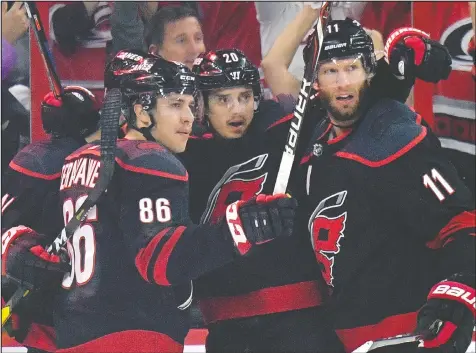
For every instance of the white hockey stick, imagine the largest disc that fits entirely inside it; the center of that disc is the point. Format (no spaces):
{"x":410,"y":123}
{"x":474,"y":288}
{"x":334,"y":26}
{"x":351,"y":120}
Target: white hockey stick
{"x":289,"y":152}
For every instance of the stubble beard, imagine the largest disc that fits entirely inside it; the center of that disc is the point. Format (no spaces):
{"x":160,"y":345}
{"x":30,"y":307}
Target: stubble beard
{"x":344,"y":116}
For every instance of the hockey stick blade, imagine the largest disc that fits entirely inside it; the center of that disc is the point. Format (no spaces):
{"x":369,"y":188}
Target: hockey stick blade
{"x":109,"y":124}
{"x":408,"y":339}
{"x":289,"y":152}
{"x":39,"y":30}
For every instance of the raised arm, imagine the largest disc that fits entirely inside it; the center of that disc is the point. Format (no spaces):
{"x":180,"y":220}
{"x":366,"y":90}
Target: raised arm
{"x":276,"y":63}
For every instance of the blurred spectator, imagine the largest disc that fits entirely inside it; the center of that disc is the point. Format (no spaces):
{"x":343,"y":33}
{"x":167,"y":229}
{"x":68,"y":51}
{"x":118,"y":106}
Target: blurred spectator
{"x":273,"y":17}
{"x":127,"y":27}
{"x":15,"y":117}
{"x":216,"y":25}
{"x":81,"y":23}
{"x":284,"y":27}
{"x":14,"y":25}
{"x":283,"y":64}
{"x":351,"y":9}
{"x":386,"y":16}
{"x":175,"y":33}
{"x":232,"y":24}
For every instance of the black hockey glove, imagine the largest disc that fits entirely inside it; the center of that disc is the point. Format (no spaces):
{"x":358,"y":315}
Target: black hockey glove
{"x":36,"y":308}
{"x":70,"y":23}
{"x":260,"y":220}
{"x":447,"y":319}
{"x":74,"y":114}
{"x":26,"y":262}
{"x":411,"y":53}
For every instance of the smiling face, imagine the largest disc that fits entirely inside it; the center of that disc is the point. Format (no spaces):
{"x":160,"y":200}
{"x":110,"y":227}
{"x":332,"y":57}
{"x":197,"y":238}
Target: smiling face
{"x":342,"y":84}
{"x":173,"y":116}
{"x":230,"y":111}
{"x":183,"y":41}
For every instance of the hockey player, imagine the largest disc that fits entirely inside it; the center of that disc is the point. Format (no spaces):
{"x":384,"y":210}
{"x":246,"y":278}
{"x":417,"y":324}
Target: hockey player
{"x":391,"y":223}
{"x":269,"y":301}
{"x":138,"y":240}
{"x":235,"y":160}
{"x":30,"y":198}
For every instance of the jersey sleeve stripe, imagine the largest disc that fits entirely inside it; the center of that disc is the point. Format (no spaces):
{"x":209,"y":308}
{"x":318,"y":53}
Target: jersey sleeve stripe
{"x":151,"y":172}
{"x":33,"y":174}
{"x":144,"y":256}
{"x":160,"y":267}
{"x":156,"y":252}
{"x":464,"y":220}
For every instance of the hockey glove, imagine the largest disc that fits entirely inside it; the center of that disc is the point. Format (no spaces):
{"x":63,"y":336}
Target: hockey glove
{"x":260,"y":220}
{"x":70,"y":23}
{"x":447,"y":319}
{"x":411,"y":53}
{"x":17,"y":326}
{"x":31,"y":322}
{"x":26,"y":262}
{"x":74,"y":114}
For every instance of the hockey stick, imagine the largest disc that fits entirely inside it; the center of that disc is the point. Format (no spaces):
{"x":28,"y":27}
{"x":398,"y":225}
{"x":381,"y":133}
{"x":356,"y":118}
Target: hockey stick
{"x":289,"y":152}
{"x":109,"y":124}
{"x":411,"y":340}
{"x":38,"y":29}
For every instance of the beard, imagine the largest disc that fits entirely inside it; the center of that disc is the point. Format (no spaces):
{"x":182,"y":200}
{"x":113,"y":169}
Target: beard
{"x":344,"y":114}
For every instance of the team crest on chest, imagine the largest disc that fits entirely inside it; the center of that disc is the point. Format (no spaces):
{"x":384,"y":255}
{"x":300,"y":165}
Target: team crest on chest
{"x":240,"y":182}
{"x":327,"y":230}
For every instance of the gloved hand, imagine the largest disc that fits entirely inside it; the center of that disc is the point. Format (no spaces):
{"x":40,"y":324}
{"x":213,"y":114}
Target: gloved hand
{"x":69,"y":23}
{"x":27,"y":263}
{"x":74,"y":114}
{"x":260,"y":220}
{"x":447,"y":319}
{"x":17,"y":327}
{"x":411,"y":53}
{"x":81,"y":23}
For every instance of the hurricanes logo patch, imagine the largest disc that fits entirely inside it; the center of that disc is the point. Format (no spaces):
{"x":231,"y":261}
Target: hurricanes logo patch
{"x":456,"y":38}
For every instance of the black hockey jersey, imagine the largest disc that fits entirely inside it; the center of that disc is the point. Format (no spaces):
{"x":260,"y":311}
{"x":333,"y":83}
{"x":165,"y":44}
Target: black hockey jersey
{"x":135,"y":243}
{"x":280,"y":276}
{"x":30,"y":197}
{"x":31,"y":184}
{"x":388,"y":218}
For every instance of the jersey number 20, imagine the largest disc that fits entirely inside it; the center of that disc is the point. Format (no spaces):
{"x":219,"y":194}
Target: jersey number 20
{"x":81,"y":246}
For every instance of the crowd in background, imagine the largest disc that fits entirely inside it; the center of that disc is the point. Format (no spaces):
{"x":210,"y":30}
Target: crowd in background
{"x":252,"y":27}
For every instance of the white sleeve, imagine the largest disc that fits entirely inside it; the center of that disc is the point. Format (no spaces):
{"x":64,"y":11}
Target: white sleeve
{"x":273,"y":18}
{"x":270,"y":11}
{"x":352,"y":9}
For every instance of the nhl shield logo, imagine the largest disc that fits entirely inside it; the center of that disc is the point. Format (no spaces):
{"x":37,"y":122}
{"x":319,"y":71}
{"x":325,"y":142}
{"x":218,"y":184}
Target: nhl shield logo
{"x":317,"y":150}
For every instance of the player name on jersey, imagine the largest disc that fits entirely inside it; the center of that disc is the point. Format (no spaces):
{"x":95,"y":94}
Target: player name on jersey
{"x":84,"y":171}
